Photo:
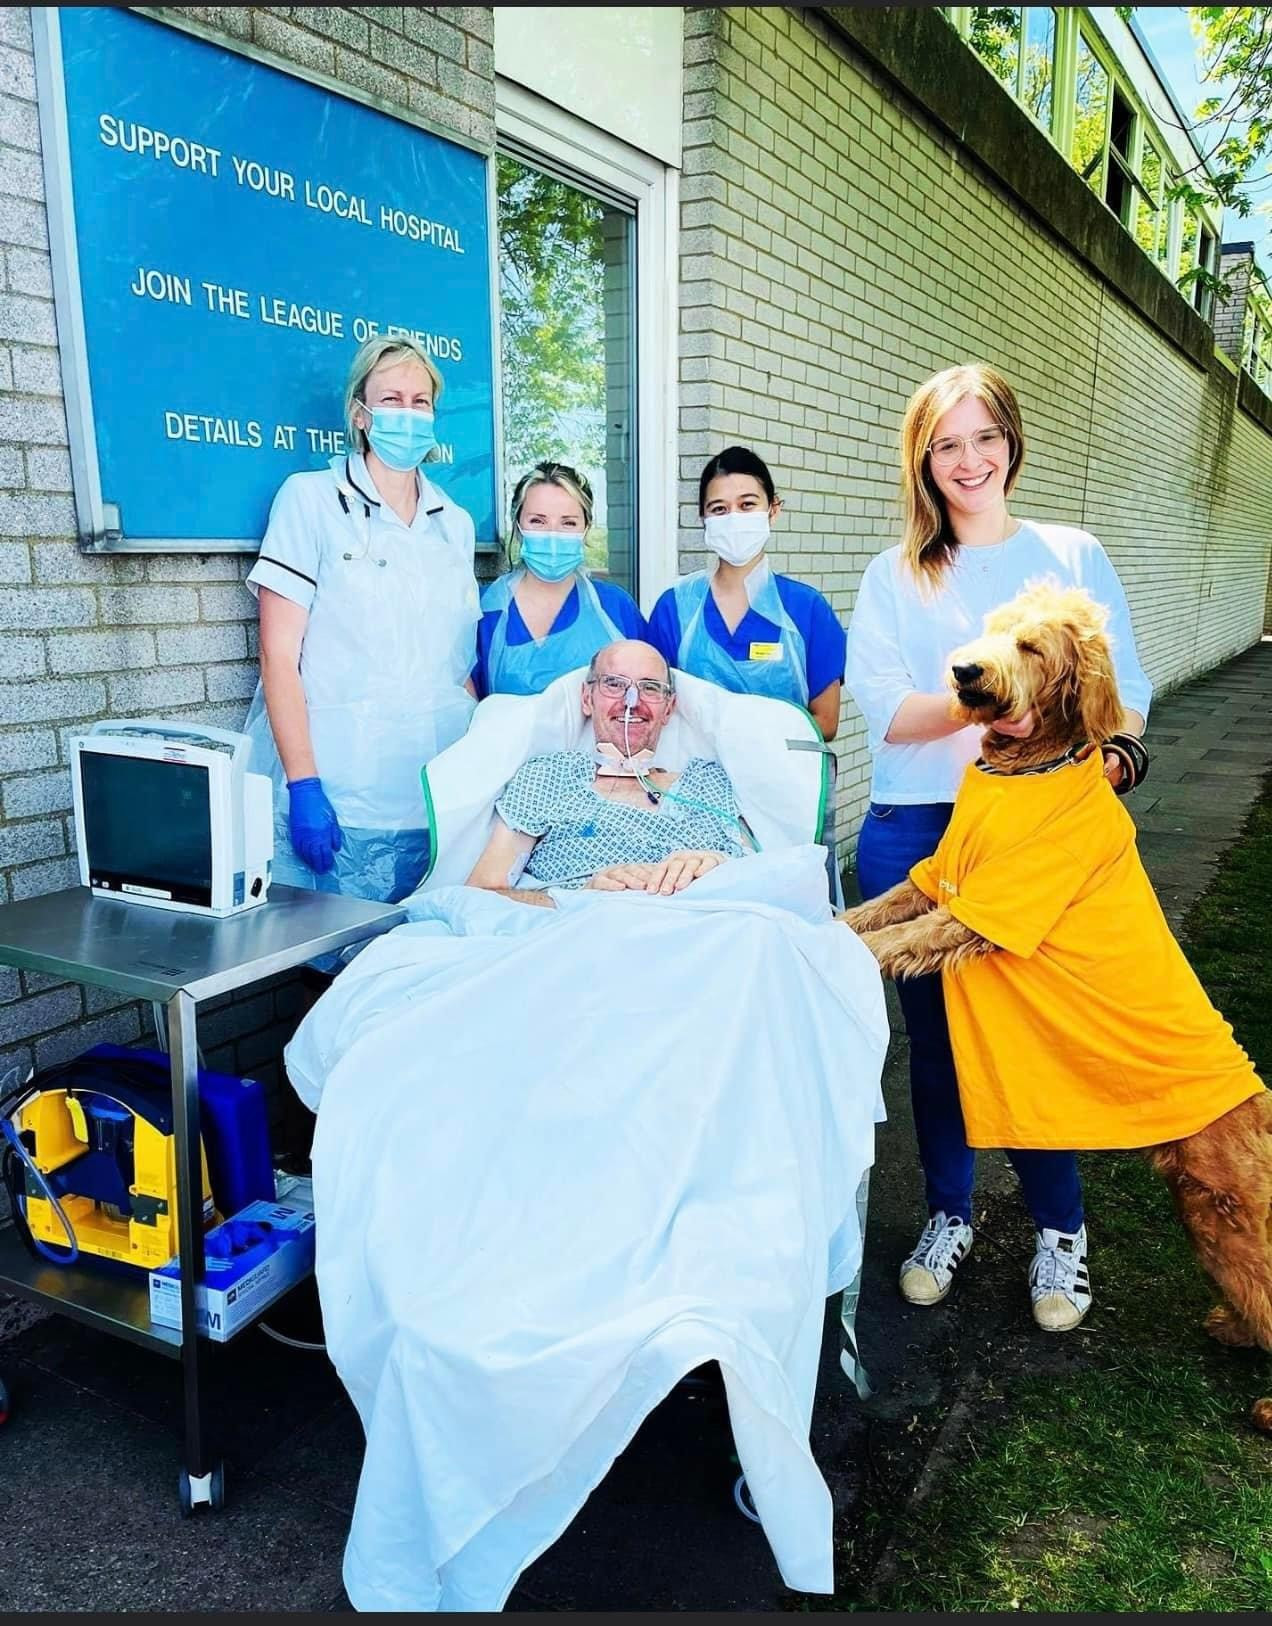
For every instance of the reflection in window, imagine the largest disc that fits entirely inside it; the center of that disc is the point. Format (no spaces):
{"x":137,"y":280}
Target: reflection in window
{"x":1037,"y":69}
{"x":567,"y":326}
{"x":1188,"y":243}
{"x":1203,"y":297}
{"x":995,"y":37}
{"x":1151,"y":212}
{"x":1091,"y":117}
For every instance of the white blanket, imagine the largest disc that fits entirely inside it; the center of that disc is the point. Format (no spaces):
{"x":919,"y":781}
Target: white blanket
{"x":562,"y":1158}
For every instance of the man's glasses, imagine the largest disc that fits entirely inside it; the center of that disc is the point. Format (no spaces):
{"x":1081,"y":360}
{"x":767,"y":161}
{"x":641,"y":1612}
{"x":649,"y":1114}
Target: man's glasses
{"x":651,"y":688}
{"x":949,"y":449}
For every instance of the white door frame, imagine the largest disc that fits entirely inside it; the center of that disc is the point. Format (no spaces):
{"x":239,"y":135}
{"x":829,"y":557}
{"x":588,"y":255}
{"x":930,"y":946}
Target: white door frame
{"x":653,"y":189}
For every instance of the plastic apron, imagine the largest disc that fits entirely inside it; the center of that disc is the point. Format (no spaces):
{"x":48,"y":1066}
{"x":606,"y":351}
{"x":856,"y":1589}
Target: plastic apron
{"x":389,"y":642}
{"x":785,"y":677}
{"x":528,"y":668}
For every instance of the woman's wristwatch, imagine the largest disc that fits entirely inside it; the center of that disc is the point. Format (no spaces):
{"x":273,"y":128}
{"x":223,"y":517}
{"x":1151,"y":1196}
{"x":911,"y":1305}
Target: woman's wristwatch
{"x":1132,"y":754}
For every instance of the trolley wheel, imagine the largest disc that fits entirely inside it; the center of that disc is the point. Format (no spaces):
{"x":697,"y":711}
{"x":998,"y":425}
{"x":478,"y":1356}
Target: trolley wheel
{"x":4,"y":1403}
{"x":208,"y":1491}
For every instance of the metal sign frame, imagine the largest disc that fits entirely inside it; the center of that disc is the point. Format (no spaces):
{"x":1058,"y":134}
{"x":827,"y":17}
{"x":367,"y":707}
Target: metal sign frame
{"x":99,"y":521}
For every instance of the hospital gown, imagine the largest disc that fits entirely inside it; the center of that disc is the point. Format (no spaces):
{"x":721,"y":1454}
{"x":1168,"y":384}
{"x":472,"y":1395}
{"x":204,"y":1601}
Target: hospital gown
{"x":553,"y":797}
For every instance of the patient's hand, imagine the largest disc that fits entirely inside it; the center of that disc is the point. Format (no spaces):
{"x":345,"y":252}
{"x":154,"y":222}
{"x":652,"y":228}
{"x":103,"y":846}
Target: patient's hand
{"x":672,"y":875}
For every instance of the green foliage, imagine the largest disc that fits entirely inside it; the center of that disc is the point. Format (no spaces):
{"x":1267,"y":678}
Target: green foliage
{"x":995,"y":38}
{"x":551,"y":280}
{"x":1233,"y":127}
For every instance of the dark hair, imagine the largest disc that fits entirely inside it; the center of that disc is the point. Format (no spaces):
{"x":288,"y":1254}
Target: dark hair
{"x":736,"y":460}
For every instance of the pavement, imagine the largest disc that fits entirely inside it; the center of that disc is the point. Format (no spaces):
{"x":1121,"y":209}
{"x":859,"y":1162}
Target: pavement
{"x":89,"y":1458}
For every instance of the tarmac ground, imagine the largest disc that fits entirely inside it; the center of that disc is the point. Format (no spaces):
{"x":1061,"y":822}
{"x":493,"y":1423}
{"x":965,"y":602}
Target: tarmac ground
{"x":89,"y":1458}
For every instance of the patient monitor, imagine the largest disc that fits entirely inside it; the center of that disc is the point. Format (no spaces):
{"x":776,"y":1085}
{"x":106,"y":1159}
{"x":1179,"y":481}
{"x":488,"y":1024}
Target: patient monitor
{"x":166,"y":814}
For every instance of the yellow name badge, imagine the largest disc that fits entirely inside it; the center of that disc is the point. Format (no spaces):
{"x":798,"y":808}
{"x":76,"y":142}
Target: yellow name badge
{"x":766,"y":652}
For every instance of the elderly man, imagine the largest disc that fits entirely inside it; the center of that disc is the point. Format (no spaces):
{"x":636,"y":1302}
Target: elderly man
{"x":611,"y":819}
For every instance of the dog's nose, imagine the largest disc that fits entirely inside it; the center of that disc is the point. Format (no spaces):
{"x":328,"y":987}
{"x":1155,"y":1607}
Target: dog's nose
{"x":967,"y":674}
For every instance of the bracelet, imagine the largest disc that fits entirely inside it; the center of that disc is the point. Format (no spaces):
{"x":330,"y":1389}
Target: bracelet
{"x":1133,"y":755}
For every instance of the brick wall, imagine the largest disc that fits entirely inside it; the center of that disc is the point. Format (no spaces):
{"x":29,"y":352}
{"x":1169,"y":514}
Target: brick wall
{"x":84,"y":636}
{"x":837,"y":248}
{"x":1235,"y":265}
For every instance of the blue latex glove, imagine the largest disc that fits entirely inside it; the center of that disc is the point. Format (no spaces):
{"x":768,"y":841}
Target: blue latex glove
{"x":312,"y":824}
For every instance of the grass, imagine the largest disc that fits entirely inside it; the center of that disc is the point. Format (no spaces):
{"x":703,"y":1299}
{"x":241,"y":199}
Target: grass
{"x":1130,"y":1479}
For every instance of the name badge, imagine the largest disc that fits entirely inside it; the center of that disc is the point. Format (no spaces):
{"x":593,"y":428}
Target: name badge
{"x":766,"y":652}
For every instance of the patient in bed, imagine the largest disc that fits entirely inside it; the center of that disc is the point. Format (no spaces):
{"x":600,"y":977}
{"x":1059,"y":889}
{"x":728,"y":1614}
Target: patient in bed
{"x":610,"y":818}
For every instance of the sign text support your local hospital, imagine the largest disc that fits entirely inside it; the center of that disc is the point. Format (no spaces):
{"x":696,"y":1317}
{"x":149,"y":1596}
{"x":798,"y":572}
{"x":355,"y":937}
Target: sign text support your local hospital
{"x":239,"y":232}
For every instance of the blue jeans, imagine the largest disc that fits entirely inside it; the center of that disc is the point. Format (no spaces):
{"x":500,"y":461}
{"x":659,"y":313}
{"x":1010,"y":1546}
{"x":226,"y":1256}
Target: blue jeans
{"x":893,"y":838}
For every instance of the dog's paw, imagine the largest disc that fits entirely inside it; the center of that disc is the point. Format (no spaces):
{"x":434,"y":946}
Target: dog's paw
{"x":1261,"y":1415}
{"x":1227,"y":1327}
{"x":854,"y":918}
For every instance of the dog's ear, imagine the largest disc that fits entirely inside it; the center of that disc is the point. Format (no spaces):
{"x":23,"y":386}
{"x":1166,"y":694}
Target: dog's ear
{"x":1098,"y":698}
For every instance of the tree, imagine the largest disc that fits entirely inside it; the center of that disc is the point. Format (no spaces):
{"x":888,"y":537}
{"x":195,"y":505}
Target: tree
{"x":1233,"y":129}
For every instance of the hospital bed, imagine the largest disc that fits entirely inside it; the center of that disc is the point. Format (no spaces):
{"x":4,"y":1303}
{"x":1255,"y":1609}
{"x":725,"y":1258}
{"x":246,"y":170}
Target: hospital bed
{"x":372,"y":1025}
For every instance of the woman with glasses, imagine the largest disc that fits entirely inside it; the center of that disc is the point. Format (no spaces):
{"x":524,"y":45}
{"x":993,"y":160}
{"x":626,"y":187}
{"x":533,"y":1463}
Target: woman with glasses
{"x":739,"y":623}
{"x":547,"y":616}
{"x":963,"y":553}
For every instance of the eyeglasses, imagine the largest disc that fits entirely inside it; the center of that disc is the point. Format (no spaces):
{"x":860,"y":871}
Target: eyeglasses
{"x":651,"y":688}
{"x":949,"y":449}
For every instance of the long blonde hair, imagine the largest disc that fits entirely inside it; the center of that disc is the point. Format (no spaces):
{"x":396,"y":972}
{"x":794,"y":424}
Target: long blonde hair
{"x":928,"y":544}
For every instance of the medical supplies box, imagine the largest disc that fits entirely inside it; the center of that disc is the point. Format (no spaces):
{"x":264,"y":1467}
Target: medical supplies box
{"x":251,"y":1260}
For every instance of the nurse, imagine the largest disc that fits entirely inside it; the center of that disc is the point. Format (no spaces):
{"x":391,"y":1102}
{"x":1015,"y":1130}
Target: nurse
{"x":368,"y":615}
{"x":546,"y":616}
{"x":740,"y":624}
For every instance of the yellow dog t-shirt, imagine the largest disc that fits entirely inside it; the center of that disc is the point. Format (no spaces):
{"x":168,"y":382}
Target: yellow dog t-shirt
{"x":1091,"y":1030}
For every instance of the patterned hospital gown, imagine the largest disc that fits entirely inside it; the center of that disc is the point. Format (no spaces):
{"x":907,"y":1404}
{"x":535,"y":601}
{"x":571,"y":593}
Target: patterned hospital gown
{"x":580,"y":831}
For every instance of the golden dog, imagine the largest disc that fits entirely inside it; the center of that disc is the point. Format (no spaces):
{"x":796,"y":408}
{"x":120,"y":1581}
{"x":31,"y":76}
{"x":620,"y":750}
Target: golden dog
{"x":1046,"y":653}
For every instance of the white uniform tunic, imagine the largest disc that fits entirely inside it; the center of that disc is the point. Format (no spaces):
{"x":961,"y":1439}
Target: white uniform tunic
{"x":391,"y":637}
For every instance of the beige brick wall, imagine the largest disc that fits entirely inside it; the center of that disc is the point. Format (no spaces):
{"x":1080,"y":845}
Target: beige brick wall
{"x":85,"y":636}
{"x":836,"y":249}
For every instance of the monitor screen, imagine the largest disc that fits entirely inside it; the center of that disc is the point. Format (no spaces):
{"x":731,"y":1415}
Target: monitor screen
{"x":147,"y":826}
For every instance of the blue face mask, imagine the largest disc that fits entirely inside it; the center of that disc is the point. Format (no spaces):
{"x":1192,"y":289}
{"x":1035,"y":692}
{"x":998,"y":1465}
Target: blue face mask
{"x":551,"y":555}
{"x":400,"y":437}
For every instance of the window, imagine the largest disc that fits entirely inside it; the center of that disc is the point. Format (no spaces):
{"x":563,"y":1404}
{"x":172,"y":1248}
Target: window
{"x":1090,"y":125}
{"x":1203,"y":298}
{"x":1121,"y":185}
{"x":1018,"y":44}
{"x":1038,"y":63}
{"x":1187,"y":244}
{"x":566,"y":288}
{"x":995,"y":38}
{"x":1152,"y":213}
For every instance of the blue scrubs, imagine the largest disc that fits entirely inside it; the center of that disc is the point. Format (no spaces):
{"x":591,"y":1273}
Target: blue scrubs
{"x":617,"y":604}
{"x":824,"y":639}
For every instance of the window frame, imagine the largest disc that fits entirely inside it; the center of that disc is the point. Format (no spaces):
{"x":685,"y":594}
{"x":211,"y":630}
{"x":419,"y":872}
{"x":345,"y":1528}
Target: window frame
{"x":534,"y":130}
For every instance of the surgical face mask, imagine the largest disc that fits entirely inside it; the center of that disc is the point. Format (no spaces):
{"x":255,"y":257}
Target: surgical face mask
{"x":551,"y":555}
{"x":401,"y":437}
{"x":737,"y":538}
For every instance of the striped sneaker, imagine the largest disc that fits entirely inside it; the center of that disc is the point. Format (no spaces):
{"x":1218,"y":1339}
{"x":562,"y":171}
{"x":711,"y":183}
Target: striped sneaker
{"x":1059,"y":1284}
{"x":928,"y":1274}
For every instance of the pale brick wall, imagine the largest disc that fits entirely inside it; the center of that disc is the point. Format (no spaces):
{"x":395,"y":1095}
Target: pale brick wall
{"x":836,"y":248}
{"x":84,"y":637}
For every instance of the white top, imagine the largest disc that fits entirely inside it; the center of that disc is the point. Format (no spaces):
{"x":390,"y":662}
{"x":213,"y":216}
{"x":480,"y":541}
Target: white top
{"x":899,"y":643}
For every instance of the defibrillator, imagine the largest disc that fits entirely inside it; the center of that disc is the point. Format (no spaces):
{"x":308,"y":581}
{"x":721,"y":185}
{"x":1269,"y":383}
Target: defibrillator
{"x":91,"y":1164}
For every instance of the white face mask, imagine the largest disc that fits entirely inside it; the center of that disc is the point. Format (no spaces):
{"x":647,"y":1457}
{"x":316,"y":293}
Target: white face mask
{"x":738,"y":537}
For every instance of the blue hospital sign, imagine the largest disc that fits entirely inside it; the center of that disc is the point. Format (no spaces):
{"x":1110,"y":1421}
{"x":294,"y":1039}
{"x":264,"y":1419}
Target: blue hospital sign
{"x":236,"y":233}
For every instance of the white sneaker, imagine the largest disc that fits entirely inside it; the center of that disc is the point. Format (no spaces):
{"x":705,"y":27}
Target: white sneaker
{"x":1058,"y":1281}
{"x":928,"y":1274}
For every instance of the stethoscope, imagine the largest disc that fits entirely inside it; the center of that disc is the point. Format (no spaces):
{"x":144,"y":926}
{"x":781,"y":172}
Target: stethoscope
{"x":348,"y":491}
